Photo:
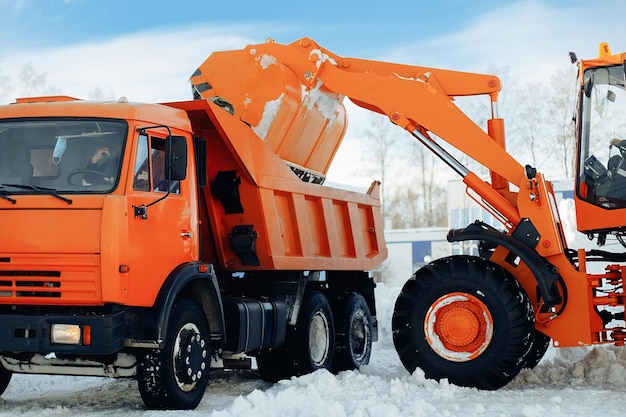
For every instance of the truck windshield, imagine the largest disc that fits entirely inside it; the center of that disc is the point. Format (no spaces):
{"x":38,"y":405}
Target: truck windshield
{"x":60,"y":155}
{"x":602,"y":152}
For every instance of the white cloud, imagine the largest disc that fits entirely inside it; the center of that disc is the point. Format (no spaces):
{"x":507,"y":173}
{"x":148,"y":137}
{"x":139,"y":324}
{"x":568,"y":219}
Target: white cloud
{"x":14,"y":6}
{"x":150,"y":66}
{"x":530,"y":38}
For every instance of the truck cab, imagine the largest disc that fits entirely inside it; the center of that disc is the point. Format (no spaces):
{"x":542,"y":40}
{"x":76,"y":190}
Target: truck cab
{"x":72,"y":185}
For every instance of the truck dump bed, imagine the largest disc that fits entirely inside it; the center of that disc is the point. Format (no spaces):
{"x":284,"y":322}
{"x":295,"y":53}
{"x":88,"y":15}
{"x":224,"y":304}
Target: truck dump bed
{"x":257,"y":214}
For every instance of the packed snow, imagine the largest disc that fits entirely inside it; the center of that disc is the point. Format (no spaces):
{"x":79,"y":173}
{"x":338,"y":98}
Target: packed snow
{"x":583,"y":381}
{"x":568,"y":382}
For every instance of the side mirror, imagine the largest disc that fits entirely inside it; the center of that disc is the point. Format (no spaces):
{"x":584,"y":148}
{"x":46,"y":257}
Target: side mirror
{"x":588,"y":87}
{"x":176,"y":158}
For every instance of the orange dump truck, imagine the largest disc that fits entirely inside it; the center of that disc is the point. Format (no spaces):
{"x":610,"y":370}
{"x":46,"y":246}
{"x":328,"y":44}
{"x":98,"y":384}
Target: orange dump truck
{"x":156,"y":241}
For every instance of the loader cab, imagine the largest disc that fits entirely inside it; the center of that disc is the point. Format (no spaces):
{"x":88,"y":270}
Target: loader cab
{"x":601,"y":171}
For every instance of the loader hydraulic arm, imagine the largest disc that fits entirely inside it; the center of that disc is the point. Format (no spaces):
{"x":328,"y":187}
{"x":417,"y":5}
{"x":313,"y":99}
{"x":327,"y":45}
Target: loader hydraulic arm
{"x":418,"y":99}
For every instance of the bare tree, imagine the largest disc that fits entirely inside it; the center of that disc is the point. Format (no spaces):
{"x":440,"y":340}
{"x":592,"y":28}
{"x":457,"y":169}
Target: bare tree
{"x":5,"y":85}
{"x":529,"y":127}
{"x":98,"y":94}
{"x":34,"y":83}
{"x":560,"y":105}
{"x":379,"y":152}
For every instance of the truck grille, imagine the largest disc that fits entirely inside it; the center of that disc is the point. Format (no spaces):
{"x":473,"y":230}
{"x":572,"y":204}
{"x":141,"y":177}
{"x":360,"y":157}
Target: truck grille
{"x":30,"y":284}
{"x":74,"y":283}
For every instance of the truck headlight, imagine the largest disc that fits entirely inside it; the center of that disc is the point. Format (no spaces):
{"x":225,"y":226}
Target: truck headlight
{"x":67,"y":334}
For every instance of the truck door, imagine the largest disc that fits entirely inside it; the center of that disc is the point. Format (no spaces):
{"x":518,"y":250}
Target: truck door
{"x":160,"y":239}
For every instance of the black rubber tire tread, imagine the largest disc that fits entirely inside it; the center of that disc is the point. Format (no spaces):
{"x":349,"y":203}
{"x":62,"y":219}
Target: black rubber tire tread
{"x":5,"y":378}
{"x":538,"y":348}
{"x":155,"y":371}
{"x":314,"y":302}
{"x":294,"y":359}
{"x":349,"y":356}
{"x":507,"y":302}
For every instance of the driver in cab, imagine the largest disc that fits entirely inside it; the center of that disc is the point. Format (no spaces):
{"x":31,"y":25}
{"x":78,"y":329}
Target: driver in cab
{"x":609,"y":184}
{"x":102,"y":167}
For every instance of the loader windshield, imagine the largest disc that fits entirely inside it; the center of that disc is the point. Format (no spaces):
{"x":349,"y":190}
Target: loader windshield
{"x":602,"y":140}
{"x":62,"y":155}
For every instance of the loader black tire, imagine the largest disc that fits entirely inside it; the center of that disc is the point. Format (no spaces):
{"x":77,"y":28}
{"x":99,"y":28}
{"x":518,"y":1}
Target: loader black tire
{"x":176,"y":377}
{"x":538,"y":348}
{"x":5,"y":378}
{"x":466,"y":319}
{"x":355,"y":333}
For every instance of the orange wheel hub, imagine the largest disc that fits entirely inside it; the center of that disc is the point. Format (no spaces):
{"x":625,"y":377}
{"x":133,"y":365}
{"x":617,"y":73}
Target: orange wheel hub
{"x":458,"y":327}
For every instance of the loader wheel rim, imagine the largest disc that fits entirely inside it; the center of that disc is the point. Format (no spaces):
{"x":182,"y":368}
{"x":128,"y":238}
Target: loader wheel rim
{"x":458,"y":327}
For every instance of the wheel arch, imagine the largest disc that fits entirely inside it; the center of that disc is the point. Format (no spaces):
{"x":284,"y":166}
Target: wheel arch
{"x":187,"y":281}
{"x":544,"y":273}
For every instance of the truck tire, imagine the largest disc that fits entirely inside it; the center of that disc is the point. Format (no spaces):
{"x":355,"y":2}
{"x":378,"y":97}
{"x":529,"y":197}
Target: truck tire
{"x":354,"y":335}
{"x":309,"y":347}
{"x":175,"y":377}
{"x":538,"y":348}
{"x":5,"y":378}
{"x":465,"y":319}
{"x":315,"y":334}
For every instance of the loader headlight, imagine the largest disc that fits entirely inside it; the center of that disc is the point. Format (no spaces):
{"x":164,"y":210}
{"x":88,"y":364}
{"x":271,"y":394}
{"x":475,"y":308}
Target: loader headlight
{"x":66,"y":334}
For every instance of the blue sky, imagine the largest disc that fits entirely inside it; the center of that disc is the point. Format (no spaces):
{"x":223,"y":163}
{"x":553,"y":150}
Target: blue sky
{"x":146,"y":50}
{"x":370,"y":25}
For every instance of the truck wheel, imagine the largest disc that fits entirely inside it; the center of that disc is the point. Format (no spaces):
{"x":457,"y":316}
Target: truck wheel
{"x":308,"y":348}
{"x":5,"y":378}
{"x":176,"y":376}
{"x":538,"y":349}
{"x":315,"y":334}
{"x":354,"y":335}
{"x":465,"y":319}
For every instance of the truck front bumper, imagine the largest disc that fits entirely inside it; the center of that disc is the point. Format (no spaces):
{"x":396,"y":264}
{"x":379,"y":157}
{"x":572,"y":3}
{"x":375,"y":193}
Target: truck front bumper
{"x":100,"y":334}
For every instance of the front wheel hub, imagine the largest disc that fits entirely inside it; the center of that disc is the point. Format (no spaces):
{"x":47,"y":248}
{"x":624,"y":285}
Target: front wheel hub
{"x":458,"y":327}
{"x":190,"y":357}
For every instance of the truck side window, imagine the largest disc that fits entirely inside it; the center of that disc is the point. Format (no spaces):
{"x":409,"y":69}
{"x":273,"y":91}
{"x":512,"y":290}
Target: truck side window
{"x":157,"y":151}
{"x":149,"y":171}
{"x":159,"y":180}
{"x":141,"y":174}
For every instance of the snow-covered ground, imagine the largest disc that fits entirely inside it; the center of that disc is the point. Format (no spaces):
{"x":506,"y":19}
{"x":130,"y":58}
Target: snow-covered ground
{"x":569,"y":382}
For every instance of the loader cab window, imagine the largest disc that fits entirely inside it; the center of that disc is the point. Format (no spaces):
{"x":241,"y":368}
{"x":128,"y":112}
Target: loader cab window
{"x":149,"y":173}
{"x":602,"y":138}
